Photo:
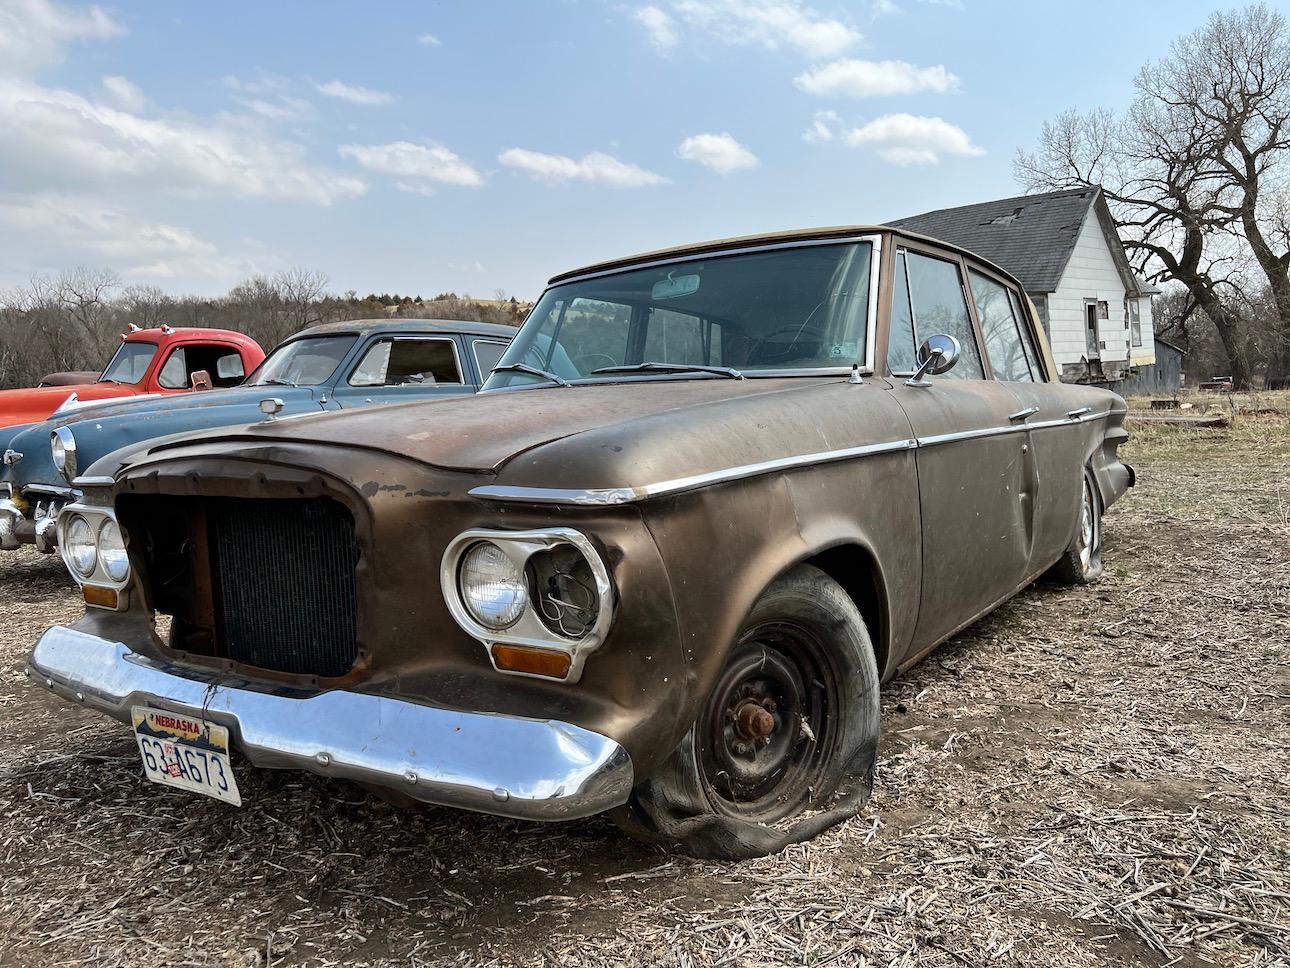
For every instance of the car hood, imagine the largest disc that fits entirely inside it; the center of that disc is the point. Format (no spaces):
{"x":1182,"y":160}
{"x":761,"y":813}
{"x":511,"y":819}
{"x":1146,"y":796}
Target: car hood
{"x":601,"y":433}
{"x":37,"y":403}
{"x":102,"y":430}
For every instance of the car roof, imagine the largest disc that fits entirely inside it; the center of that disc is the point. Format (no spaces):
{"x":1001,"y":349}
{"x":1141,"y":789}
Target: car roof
{"x":838,"y":232}
{"x":401,"y":324}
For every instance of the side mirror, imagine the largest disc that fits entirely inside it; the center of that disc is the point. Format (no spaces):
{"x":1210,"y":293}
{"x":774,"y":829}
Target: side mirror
{"x":938,"y":354}
{"x":230,"y":367}
{"x":201,"y":380}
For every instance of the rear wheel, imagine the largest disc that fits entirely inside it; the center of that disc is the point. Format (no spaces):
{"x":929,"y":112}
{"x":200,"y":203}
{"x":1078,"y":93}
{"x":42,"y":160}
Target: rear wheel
{"x":1081,"y":564}
{"x":790,"y":728}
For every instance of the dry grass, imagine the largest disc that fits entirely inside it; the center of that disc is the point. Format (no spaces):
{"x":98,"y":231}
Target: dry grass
{"x":1088,"y":777}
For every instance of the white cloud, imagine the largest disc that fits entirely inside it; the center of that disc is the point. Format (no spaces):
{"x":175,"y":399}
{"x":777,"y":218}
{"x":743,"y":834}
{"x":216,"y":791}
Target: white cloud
{"x":884,"y":8}
{"x":124,"y":94}
{"x":417,"y":168}
{"x":596,"y":167}
{"x":907,"y":139}
{"x":268,"y":96}
{"x":661,"y":27}
{"x":822,"y":127}
{"x":770,"y":24}
{"x":54,"y":138}
{"x":858,"y":78}
{"x":35,"y":33}
{"x":720,"y":152}
{"x":429,"y":40}
{"x":69,"y":229}
{"x":354,"y":94}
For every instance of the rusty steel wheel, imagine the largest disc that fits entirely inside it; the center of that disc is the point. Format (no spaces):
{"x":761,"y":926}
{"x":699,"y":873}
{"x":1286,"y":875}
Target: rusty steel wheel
{"x":765,"y":739}
{"x":788,"y":734}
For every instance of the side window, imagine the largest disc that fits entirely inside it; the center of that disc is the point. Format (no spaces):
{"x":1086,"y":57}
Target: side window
{"x":174,"y":374}
{"x":1001,"y":328}
{"x":900,"y":345}
{"x":1135,"y":320}
{"x":487,"y":354}
{"x":939,"y":305}
{"x":407,"y":362}
{"x":673,"y":337}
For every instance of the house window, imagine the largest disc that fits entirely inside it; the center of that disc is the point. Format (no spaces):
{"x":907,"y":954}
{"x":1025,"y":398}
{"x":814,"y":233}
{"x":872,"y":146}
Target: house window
{"x":1135,"y":321}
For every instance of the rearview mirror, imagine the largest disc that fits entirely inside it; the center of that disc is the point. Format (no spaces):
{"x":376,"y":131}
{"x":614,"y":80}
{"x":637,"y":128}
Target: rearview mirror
{"x":230,"y":367}
{"x":938,"y":354}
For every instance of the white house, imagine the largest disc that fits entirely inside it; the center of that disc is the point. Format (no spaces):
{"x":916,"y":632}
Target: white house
{"x":1064,"y":249}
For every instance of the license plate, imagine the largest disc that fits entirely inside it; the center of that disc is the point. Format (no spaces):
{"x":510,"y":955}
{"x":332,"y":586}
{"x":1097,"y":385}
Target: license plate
{"x":185,"y":752}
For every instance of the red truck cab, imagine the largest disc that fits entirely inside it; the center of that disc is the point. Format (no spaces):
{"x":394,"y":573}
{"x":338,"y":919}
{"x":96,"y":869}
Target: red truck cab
{"x":149,"y":361}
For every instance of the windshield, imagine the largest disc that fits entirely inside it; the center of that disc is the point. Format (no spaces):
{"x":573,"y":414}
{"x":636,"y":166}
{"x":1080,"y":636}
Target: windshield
{"x":304,"y":362}
{"x":130,"y":364}
{"x":798,"y":308}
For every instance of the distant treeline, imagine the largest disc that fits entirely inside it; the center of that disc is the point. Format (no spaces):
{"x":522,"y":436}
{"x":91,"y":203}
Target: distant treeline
{"x":73,"y":321}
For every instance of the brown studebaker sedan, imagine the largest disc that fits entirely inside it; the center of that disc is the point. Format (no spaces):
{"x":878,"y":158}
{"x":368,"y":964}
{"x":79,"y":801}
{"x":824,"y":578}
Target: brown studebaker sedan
{"x":709,"y":499}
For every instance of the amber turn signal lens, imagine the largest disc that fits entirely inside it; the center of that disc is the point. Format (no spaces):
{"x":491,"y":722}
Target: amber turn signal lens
{"x":537,"y":662}
{"x":102,"y":597}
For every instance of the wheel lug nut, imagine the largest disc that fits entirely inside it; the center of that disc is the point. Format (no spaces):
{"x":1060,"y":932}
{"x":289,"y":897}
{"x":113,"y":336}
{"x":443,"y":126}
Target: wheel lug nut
{"x":741,"y":748}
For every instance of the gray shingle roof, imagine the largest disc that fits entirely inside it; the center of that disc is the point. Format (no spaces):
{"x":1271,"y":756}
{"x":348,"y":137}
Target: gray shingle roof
{"x":1032,"y":236}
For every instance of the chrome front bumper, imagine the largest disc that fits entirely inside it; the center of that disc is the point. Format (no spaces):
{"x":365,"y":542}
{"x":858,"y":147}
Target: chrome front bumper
{"x":525,"y":768}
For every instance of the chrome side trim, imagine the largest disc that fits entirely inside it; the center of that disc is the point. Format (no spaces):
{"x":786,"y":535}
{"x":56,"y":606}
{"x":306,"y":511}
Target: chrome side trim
{"x":525,"y":768}
{"x":603,"y":496}
{"x":628,"y":495}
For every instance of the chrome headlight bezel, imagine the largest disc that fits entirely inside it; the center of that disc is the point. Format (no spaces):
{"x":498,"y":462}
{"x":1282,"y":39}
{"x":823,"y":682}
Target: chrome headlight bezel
{"x":62,"y":446}
{"x":529,"y":629}
{"x":98,"y":519}
{"x":72,"y":545}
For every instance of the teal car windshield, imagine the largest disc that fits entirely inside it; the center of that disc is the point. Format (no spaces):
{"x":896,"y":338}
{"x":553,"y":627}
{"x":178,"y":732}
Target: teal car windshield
{"x":130,"y":363}
{"x":797,"y":308}
{"x":307,"y":362}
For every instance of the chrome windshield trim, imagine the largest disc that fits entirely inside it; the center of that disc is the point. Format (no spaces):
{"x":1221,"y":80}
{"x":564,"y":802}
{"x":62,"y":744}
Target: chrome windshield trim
{"x":627,"y":495}
{"x":714,"y":253}
{"x":871,"y":313}
{"x":608,"y":496}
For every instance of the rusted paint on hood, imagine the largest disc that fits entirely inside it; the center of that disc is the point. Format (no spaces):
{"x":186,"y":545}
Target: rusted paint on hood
{"x":481,"y":433}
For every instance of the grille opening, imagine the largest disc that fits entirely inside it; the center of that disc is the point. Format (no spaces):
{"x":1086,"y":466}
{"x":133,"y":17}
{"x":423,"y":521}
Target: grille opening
{"x":267,"y":582}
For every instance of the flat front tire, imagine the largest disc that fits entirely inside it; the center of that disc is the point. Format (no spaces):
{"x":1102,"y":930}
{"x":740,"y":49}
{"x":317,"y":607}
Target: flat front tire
{"x":786,"y":742}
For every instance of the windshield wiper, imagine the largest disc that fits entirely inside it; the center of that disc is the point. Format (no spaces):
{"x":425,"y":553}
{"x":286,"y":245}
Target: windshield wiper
{"x":654,"y":367}
{"x":274,"y":381}
{"x":532,"y":370}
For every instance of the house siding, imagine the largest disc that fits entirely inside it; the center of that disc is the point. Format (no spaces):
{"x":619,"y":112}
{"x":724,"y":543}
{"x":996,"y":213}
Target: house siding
{"x":1091,"y":273}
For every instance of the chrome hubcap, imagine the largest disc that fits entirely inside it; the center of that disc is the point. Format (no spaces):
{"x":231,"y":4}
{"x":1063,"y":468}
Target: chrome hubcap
{"x":1087,"y":529}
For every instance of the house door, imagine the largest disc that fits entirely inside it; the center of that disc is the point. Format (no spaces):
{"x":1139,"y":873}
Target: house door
{"x":1090,"y":330}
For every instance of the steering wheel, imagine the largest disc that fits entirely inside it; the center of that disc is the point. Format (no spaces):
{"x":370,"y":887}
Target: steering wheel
{"x":588,"y":358}
{"x":797,"y":331}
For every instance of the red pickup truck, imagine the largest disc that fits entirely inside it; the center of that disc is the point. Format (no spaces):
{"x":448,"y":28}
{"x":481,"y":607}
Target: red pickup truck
{"x":149,"y":361}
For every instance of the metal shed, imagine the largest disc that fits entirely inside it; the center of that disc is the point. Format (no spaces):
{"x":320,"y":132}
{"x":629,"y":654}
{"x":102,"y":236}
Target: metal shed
{"x":1163,"y":377}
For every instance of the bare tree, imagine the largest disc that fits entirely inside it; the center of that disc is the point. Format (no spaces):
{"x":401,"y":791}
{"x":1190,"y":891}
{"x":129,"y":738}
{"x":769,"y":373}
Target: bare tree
{"x":1196,"y":170}
{"x":147,"y":306}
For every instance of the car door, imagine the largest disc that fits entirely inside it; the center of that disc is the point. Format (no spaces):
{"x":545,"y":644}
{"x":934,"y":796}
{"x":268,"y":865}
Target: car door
{"x":972,"y":465}
{"x":1053,"y":434}
{"x":398,"y":367}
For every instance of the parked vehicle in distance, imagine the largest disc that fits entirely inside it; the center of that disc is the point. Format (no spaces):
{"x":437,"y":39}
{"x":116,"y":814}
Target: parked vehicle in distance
{"x":148,"y":361}
{"x":328,"y":367}
{"x":709,"y":499}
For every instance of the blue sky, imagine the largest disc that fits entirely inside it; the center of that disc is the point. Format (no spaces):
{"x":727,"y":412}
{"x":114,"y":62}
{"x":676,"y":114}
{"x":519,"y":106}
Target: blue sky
{"x":479,"y":145}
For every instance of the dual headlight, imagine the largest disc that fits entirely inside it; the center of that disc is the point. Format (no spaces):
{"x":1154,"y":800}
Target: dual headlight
{"x":540,"y":601}
{"x":95,"y":548}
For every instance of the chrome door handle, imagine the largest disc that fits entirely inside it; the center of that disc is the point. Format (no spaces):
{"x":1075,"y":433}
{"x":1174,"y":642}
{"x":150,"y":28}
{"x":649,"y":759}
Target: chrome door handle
{"x":1022,"y":415}
{"x":1078,"y":412}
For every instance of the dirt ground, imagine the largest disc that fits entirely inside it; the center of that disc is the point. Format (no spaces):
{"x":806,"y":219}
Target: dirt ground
{"x":1098,"y":776}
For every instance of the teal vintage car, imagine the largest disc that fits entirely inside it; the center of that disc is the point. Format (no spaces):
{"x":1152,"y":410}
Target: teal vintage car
{"x":334,"y":366}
